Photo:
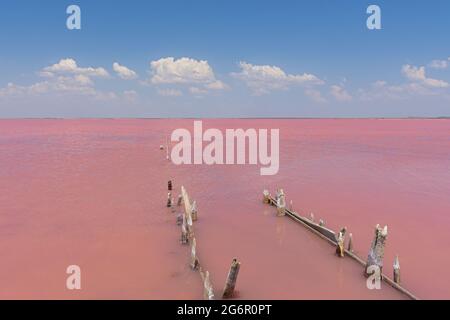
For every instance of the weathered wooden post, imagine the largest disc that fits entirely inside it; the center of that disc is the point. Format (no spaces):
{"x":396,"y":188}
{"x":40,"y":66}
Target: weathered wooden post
{"x":231,"y":279}
{"x":208,"y":291}
{"x":311,"y":217}
{"x":266,"y":197}
{"x":376,"y":253}
{"x":179,"y":219}
{"x":187,"y":202}
{"x":350,"y":243}
{"x":169,"y":185}
{"x":194,"y":260}
{"x":180,"y":200}
{"x":340,"y":250}
{"x":187,"y":213}
{"x":281,"y":203}
{"x":169,"y":200}
{"x":184,"y":232}
{"x":194,"y":212}
{"x":396,"y":270}
{"x":189,"y":227}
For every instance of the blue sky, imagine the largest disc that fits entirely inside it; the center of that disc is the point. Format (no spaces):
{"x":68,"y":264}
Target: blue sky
{"x":202,"y":58}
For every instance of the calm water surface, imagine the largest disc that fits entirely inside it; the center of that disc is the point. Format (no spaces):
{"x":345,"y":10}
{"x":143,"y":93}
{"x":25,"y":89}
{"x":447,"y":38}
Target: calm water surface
{"x":93,"y":192}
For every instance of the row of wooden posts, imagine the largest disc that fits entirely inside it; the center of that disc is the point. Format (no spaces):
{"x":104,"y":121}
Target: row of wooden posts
{"x":376,"y":251}
{"x":186,"y":221}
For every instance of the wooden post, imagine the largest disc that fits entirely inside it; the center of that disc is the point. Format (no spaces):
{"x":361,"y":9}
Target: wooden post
{"x":179,"y":219}
{"x":208,"y":291}
{"x":180,"y":200}
{"x":396,"y":270}
{"x":169,"y":185}
{"x":311,"y":217}
{"x":321,"y":223}
{"x":189,"y":227}
{"x":184,"y":232}
{"x":266,"y":197}
{"x":350,"y":243}
{"x":169,"y":199}
{"x":340,"y":250}
{"x":291,"y":205}
{"x":194,"y":212}
{"x":228,"y":291}
{"x":281,"y":203}
{"x":187,"y":203}
{"x":187,"y":212}
{"x":376,"y":252}
{"x":194,"y":260}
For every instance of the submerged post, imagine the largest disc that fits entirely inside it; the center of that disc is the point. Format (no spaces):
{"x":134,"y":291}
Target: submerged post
{"x":179,"y":219}
{"x":396,"y":270}
{"x":194,"y":260}
{"x":169,"y":200}
{"x":194,"y":212}
{"x":169,"y":185}
{"x":228,"y":291}
{"x":376,"y":253}
{"x":340,"y":250}
{"x":184,"y":233}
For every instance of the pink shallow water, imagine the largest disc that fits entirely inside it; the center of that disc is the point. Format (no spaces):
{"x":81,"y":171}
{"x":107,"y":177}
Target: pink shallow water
{"x":92,"y":193}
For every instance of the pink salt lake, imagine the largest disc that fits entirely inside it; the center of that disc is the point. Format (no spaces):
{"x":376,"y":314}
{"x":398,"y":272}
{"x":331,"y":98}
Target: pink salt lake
{"x":93,"y":193}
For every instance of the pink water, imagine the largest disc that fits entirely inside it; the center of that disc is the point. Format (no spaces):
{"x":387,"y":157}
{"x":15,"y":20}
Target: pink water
{"x":93,"y":192}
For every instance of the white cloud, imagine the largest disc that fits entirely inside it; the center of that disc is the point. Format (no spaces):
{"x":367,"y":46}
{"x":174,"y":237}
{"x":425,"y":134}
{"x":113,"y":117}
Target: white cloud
{"x":70,"y":66}
{"x":263,"y":79}
{"x":184,"y":71}
{"x":340,"y":94}
{"x":170,"y":92}
{"x":124,"y":72}
{"x":216,"y":85}
{"x":418,"y":74}
{"x":181,"y":71}
{"x":439,"y":64}
{"x":381,"y":90}
{"x":65,"y":77}
{"x":78,"y":84}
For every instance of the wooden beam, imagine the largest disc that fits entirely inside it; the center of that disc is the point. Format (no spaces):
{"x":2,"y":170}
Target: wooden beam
{"x":230,"y":284}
